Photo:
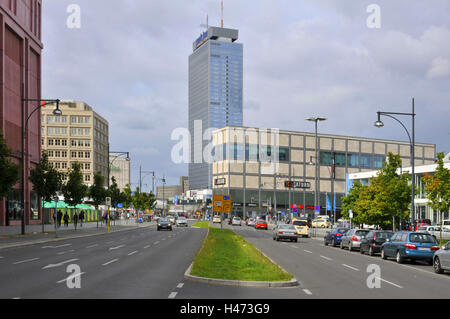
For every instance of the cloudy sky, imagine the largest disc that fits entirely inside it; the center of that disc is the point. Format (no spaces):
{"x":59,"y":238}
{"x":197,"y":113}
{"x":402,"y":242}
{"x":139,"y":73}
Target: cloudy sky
{"x":129,"y":61}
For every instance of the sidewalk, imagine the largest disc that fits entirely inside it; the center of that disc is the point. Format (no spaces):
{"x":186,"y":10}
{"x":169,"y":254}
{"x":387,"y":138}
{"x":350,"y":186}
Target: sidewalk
{"x":10,"y":236}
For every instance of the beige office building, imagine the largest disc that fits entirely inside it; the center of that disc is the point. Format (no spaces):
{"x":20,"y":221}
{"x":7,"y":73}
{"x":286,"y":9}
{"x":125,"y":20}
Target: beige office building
{"x":78,"y":135}
{"x":119,"y":169}
{"x":240,"y":171}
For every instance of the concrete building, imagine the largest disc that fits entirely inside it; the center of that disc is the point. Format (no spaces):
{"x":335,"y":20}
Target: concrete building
{"x":242,"y":167}
{"x":119,"y":168}
{"x":215,"y":94}
{"x":420,"y":201}
{"x":169,"y":191}
{"x":79,"y":135}
{"x":20,"y":47}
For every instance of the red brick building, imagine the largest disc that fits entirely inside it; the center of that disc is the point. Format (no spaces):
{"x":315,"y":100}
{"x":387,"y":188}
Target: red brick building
{"x":20,"y":46}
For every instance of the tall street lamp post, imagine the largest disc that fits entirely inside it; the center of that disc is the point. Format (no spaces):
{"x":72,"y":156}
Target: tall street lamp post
{"x":380,"y":124}
{"x":316,"y":119}
{"x":57,"y":112}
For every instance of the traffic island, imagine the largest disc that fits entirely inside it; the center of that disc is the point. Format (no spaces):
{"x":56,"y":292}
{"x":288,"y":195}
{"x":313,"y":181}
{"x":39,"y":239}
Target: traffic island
{"x":228,"y":259}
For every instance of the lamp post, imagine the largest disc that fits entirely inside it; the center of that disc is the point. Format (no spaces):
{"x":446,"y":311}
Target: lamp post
{"x":380,"y":124}
{"x":316,"y":119}
{"x":141,"y":178}
{"x":57,"y":112}
{"x":331,"y":170}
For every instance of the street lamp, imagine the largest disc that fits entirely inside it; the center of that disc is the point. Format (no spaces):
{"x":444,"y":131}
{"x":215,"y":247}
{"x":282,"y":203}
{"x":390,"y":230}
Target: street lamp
{"x":316,"y":119}
{"x":380,"y":124}
{"x":56,"y":112}
{"x":141,"y":178}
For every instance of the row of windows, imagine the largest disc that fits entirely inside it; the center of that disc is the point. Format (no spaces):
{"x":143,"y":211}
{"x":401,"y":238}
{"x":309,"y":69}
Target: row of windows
{"x":57,"y":153}
{"x":55,"y":119}
{"x":55,"y":131}
{"x":100,"y":125}
{"x":251,"y":152}
{"x":80,"y":119}
{"x":74,"y":131}
{"x":100,"y":147}
{"x":100,"y":136}
{"x":63,"y":165}
{"x":81,"y":143}
{"x":80,"y":154}
{"x":352,"y":159}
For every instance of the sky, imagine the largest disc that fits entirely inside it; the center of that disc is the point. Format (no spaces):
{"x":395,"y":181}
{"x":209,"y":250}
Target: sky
{"x":343,"y":60}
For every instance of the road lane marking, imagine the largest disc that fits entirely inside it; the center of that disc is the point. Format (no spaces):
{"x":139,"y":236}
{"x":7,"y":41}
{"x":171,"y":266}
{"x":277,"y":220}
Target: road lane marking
{"x":309,"y":252}
{"x":132,"y":253}
{"x":172,"y":295}
{"x":92,"y":246}
{"x":350,"y":267}
{"x":110,"y":242}
{"x":70,"y":277}
{"x":180,"y":285}
{"x":65,"y":245}
{"x":325,"y":257}
{"x":294,"y":246}
{"x":117,"y":247}
{"x":145,"y":247}
{"x":307,"y":292}
{"x":389,"y":282}
{"x":163,"y":239}
{"x":156,"y":243}
{"x":65,"y":252}
{"x":25,"y":261}
{"x":59,"y":264}
{"x":110,"y":262}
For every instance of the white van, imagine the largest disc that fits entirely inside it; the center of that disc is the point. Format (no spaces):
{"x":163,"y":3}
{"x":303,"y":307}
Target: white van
{"x":446,"y":223}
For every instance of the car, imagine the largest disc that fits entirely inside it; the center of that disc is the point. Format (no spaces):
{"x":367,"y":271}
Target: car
{"x":352,"y":238}
{"x":217,"y":219}
{"x":321,"y":223}
{"x":435,"y":231}
{"x":236,"y":221}
{"x":251,"y":222}
{"x":410,"y":245}
{"x":181,"y":221}
{"x":334,"y":236}
{"x":164,"y":223}
{"x":285,"y":231}
{"x":301,"y":226}
{"x":172,"y":219}
{"x":261,"y":224}
{"x":446,"y":223}
{"x":441,"y":259}
{"x":372,"y":242}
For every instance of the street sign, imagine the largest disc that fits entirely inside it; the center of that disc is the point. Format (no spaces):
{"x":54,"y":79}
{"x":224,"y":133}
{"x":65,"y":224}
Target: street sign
{"x":108,"y":201}
{"x":350,"y":213}
{"x":222,"y":203}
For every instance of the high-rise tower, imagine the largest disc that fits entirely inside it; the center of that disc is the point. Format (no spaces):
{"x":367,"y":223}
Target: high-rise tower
{"x":215,"y":94}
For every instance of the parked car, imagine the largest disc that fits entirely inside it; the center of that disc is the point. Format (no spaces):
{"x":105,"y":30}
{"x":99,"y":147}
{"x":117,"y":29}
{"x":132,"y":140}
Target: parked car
{"x":236,"y":221}
{"x":446,"y":223}
{"x":164,"y":223}
{"x":410,"y":245}
{"x":217,"y":219}
{"x":301,"y":226}
{"x":181,"y":221}
{"x":372,"y":242}
{"x":352,"y":238}
{"x":321,"y":223}
{"x":441,"y":259}
{"x":435,"y":231}
{"x":334,"y":236}
{"x":285,"y":231}
{"x":261,"y":224}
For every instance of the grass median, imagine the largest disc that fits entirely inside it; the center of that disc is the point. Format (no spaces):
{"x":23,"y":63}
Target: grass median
{"x":201,"y":224}
{"x":226,"y":255}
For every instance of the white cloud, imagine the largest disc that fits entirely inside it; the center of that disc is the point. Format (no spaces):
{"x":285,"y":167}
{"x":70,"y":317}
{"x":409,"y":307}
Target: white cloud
{"x":440,"y":67}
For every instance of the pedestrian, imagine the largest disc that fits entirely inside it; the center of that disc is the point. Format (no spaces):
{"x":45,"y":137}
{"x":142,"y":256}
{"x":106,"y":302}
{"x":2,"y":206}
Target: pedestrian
{"x":59,"y":217}
{"x":75,"y":220}
{"x":66,"y":219}
{"x":81,"y":218}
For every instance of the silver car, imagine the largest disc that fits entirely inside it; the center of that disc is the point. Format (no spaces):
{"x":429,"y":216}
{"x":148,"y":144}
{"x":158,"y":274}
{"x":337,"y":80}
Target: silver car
{"x":181,"y":221}
{"x":285,"y":231}
{"x":352,"y":238}
{"x":441,"y":259}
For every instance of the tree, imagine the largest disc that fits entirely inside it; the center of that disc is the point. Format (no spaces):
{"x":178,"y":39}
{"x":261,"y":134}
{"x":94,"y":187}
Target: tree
{"x":47,"y":181}
{"x":9,"y":172}
{"x":115,"y":194}
{"x":97,"y":190}
{"x":437,"y":187}
{"x":75,"y":190}
{"x":127,"y":199}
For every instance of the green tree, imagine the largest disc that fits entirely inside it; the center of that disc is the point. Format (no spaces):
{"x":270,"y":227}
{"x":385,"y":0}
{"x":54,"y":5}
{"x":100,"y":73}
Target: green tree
{"x":359,"y":200}
{"x":97,"y":190}
{"x":115,"y":194}
{"x":437,"y":187}
{"x":138,"y":199}
{"x":9,"y":172}
{"x":75,"y":190}
{"x":47,"y":181}
{"x":127,"y":198}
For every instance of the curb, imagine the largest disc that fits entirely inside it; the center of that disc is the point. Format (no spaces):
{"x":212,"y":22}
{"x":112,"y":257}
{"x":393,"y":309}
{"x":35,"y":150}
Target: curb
{"x":242,"y":283}
{"x":12,"y":245}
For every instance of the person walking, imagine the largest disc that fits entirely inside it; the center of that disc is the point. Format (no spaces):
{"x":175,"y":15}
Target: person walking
{"x":66,"y":220}
{"x":81,"y":218}
{"x":75,"y":220}
{"x":59,"y":217}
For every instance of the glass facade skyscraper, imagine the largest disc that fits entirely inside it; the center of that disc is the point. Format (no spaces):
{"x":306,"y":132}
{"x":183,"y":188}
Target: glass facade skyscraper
{"x":215,"y":94}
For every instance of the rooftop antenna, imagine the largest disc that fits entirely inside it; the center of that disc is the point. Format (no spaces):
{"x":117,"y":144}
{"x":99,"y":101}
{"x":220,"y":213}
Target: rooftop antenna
{"x":205,"y":25}
{"x":221,"y":16}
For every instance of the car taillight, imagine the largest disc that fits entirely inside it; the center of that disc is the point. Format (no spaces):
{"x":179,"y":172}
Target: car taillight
{"x":338,"y":234}
{"x":354,"y":238}
{"x":434,"y":247}
{"x":374,"y":237}
{"x":410,"y":246}
{"x":280,"y":232}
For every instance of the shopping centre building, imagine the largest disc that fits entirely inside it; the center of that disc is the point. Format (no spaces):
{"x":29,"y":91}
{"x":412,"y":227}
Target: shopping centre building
{"x":256,"y":167}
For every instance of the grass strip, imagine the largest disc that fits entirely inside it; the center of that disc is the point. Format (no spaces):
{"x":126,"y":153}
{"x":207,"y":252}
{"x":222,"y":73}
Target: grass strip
{"x":201,"y":224}
{"x":226,"y":255}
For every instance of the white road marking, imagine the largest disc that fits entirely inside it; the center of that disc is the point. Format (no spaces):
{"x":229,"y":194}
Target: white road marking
{"x":59,"y":264}
{"x":132,"y":253}
{"x":294,"y":246}
{"x":57,"y":246}
{"x":390,"y":282}
{"x":65,"y":252}
{"x":325,"y":257}
{"x":25,"y":261}
{"x":180,"y":285}
{"x":156,"y":243}
{"x":310,"y":252}
{"x":70,"y":277}
{"x":163,"y":239}
{"x":307,"y":292}
{"x":350,"y":267}
{"x":145,"y":247}
{"x":110,"y":262}
{"x":172,"y":295}
{"x":110,"y":242}
{"x":92,"y":246}
{"x":117,"y":247}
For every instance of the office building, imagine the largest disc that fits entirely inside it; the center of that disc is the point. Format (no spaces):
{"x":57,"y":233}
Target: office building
{"x":215,"y":94}
{"x":119,"y":168}
{"x":79,"y":135}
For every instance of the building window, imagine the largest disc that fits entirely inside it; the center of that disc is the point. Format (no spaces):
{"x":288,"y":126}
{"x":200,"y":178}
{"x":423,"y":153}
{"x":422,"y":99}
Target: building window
{"x":80,"y":154}
{"x":325,"y":158}
{"x":74,"y":154}
{"x":378,"y":161}
{"x":64,"y":153}
{"x":64,"y":142}
{"x":57,"y":142}
{"x":50,"y":142}
{"x":87,"y":178}
{"x":50,"y":153}
{"x":87,"y":155}
{"x":353,"y":160}
{"x":73,"y":142}
{"x":73,"y":119}
{"x":64,"y":165}
{"x":366,"y":160}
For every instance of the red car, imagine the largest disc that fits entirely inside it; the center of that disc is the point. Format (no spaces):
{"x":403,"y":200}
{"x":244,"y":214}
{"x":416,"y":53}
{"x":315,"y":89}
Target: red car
{"x":261,"y":224}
